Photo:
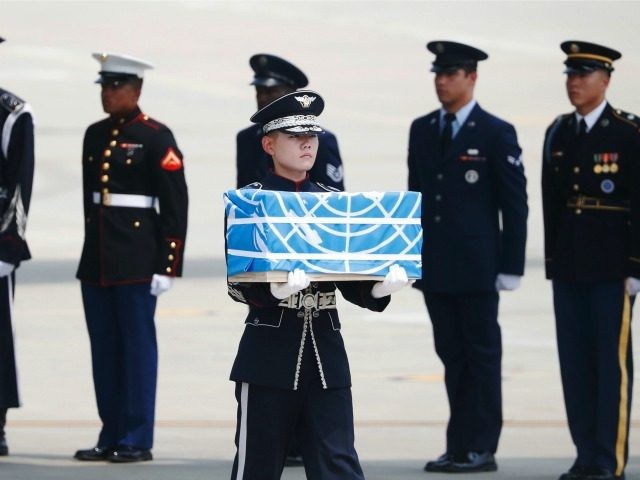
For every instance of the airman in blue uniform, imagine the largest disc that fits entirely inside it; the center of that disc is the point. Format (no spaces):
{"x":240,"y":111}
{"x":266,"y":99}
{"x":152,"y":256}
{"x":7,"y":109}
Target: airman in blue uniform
{"x":274,"y":77}
{"x":591,"y":205}
{"x":468,"y":166}
{"x":16,"y":179}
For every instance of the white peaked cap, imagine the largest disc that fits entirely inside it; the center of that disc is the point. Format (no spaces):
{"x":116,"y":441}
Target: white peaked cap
{"x":114,"y":63}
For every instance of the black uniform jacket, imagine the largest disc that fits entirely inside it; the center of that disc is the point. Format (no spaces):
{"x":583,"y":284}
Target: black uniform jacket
{"x":16,"y":176}
{"x":591,"y":198}
{"x":253,"y":163}
{"x":268,"y":353}
{"x":135,"y":155}
{"x":474,"y":202}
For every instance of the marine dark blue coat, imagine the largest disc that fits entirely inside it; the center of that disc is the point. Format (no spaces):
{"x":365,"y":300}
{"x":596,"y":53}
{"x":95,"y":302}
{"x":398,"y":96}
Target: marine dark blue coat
{"x":268,"y":353}
{"x":253,"y":163}
{"x":474,"y":210}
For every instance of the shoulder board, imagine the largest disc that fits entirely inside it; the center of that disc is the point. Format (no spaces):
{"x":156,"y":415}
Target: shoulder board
{"x":10,"y":102}
{"x":626,"y":117}
{"x":327,"y":188}
{"x":254,"y":185}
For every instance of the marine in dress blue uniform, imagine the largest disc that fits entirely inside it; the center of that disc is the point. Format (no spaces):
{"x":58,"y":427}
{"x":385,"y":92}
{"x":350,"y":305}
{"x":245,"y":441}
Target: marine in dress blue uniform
{"x":291,"y":369}
{"x":274,"y":77}
{"x":135,"y":212}
{"x":468,"y":166}
{"x":591,"y":205}
{"x":16,"y":179}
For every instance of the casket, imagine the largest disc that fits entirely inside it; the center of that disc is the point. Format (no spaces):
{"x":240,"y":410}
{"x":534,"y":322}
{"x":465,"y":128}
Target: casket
{"x":332,"y":236}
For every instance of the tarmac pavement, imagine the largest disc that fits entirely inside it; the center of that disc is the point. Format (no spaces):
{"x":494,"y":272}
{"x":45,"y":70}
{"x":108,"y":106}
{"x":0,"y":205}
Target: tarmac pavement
{"x":399,"y":397}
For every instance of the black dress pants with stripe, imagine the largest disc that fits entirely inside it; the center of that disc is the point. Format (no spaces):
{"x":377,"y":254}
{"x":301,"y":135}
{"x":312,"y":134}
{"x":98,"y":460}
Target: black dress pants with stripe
{"x":468,"y":341}
{"x":593,"y":322}
{"x":321,"y":418}
{"x":8,"y":378}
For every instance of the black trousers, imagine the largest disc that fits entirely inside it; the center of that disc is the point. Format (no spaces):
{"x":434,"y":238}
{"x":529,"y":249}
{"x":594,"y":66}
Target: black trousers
{"x":321,"y":418}
{"x":8,"y":378}
{"x":593,"y":326}
{"x":468,"y":341}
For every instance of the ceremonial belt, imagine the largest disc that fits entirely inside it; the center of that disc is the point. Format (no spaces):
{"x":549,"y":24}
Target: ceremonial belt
{"x":123,"y":200}
{"x":592,"y":203}
{"x":318,"y":301}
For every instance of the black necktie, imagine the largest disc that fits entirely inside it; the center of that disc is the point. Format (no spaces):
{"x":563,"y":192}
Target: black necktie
{"x":447,"y":131}
{"x":582,"y":129}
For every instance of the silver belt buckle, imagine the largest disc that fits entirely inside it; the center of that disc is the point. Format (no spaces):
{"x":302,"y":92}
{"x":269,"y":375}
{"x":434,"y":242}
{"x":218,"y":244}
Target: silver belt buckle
{"x":309,"y":300}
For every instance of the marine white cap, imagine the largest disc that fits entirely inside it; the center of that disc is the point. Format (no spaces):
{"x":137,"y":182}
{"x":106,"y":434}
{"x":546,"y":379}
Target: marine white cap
{"x":115,"y":64}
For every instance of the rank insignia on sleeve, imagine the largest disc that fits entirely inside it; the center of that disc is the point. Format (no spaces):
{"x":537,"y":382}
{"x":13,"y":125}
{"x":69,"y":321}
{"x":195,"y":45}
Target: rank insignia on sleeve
{"x":171,"y":161}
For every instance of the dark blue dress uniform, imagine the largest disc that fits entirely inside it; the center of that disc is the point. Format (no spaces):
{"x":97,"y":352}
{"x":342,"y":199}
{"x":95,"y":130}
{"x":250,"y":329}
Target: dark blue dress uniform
{"x":291,"y":368}
{"x":16,"y":177}
{"x":591,"y":205}
{"x":135,"y":209}
{"x":466,"y":190}
{"x":474,"y":212}
{"x":252,"y":163}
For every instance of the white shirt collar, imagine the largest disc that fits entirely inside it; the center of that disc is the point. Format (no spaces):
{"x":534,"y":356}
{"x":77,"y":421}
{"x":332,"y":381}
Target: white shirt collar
{"x":592,"y":117}
{"x":462,"y":114}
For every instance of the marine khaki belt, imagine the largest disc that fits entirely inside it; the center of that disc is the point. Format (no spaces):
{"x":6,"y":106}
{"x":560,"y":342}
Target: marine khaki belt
{"x":317,"y":301}
{"x":123,"y":200}
{"x":593,"y":203}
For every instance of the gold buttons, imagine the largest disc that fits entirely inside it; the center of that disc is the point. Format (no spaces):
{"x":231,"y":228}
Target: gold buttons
{"x":90,"y":158}
{"x":168,"y":270}
{"x":105,"y":191}
{"x":578,"y":211}
{"x":136,"y":224}
{"x":576,"y":187}
{"x":115,"y":132}
{"x":113,"y":143}
{"x":104,"y":178}
{"x":121,"y":121}
{"x":146,"y":117}
{"x":576,"y":169}
{"x":107,"y":153}
{"x":171,"y":257}
{"x":128,"y":161}
{"x":106,"y":166}
{"x":172,"y":244}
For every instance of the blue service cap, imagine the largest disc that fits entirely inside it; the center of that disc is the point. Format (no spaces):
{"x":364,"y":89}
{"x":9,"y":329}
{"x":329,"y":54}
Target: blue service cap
{"x":454,"y":55}
{"x":273,"y":71}
{"x":295,"y":113}
{"x":586,"y":57}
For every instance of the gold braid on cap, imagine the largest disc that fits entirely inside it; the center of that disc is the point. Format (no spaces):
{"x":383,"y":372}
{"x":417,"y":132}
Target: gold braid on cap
{"x":590,"y":56}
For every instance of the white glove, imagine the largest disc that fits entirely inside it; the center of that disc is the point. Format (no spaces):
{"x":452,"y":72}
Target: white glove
{"x":6,"y":268}
{"x":296,"y":281}
{"x":633,"y":286}
{"x":160,"y":284}
{"x":395,"y":280}
{"x":504,"y":281}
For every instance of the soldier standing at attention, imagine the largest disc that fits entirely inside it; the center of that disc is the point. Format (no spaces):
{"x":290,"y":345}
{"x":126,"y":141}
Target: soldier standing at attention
{"x":135,"y":212}
{"x":467,"y":164}
{"x":291,"y":369}
{"x":274,"y":77}
{"x":16,"y":179}
{"x":591,"y":206}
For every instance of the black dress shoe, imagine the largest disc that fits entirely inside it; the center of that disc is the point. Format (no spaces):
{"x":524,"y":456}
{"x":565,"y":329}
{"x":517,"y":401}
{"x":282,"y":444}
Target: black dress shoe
{"x":441,"y":464}
{"x":94,"y":454}
{"x":4,"y":448}
{"x":475,"y":462}
{"x":126,"y":454}
{"x":598,"y":473}
{"x":293,"y":461}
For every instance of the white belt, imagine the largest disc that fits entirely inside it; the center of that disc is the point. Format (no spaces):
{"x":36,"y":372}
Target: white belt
{"x":123,"y":200}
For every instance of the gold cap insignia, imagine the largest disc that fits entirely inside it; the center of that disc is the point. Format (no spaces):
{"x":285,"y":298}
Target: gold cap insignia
{"x":574,"y":48}
{"x":305,"y":101}
{"x":439,"y":47}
